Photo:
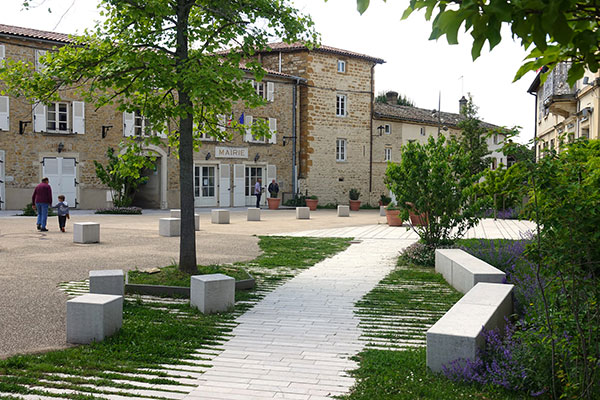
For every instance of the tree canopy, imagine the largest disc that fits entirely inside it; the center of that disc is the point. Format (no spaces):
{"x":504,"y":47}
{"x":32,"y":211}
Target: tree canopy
{"x":552,"y":30}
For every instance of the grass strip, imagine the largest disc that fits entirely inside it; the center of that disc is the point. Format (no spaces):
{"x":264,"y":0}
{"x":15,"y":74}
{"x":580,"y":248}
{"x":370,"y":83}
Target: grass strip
{"x":172,"y":276}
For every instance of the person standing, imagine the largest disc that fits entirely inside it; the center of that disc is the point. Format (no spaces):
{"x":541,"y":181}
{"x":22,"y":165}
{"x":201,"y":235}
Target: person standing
{"x":63,"y":212}
{"x":41,"y":200}
{"x":258,"y":191}
{"x":273,"y":189}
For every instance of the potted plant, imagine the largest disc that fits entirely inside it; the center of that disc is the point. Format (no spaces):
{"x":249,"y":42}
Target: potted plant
{"x":273,"y":203}
{"x":384,"y":200}
{"x":311,"y":202}
{"x":392,"y":214}
{"x":354,"y":202}
{"x":416,"y":218}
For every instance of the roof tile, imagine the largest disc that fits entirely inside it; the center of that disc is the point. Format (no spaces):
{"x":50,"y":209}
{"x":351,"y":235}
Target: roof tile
{"x":34,"y":34}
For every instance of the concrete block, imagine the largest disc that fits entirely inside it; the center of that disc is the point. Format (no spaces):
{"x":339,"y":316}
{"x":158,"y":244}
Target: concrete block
{"x":302,"y":213}
{"x":253,"y":214}
{"x":110,"y":281}
{"x":169,"y":227}
{"x":86,"y":232}
{"x":175,"y":213}
{"x":212,"y":293}
{"x":343,"y":211}
{"x":463,"y":270}
{"x":382,"y":211}
{"x":219,"y":216}
{"x":197,"y":221}
{"x":93,"y":317}
{"x":458,"y":334}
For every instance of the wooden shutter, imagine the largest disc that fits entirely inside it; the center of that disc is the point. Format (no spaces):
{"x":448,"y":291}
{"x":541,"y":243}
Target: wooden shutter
{"x":4,"y":113}
{"x":273,"y":129}
{"x":39,"y":65}
{"x":248,"y":122}
{"x":78,"y":117}
{"x":128,"y":123}
{"x":222,"y":122}
{"x":2,"y":54}
{"x":270,"y":91}
{"x":39,"y":117}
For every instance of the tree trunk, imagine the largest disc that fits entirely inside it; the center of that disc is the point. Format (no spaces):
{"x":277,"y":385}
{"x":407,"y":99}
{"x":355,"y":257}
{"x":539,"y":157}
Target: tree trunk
{"x":187,"y":240}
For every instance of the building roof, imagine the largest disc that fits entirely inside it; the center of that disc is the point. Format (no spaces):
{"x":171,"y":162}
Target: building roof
{"x":299,"y":46}
{"x":420,"y":115}
{"x":17,"y":31}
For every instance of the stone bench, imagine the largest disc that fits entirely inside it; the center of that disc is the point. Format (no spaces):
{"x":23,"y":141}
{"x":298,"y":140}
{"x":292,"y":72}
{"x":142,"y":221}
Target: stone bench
{"x":463,"y":271}
{"x":110,"y":281}
{"x":253,"y":214}
{"x":212,"y":293}
{"x":219,"y":216}
{"x":177,"y":214}
{"x":86,"y":232}
{"x":169,"y":227}
{"x":302,"y":213}
{"x":93,"y":317}
{"x":458,"y":334}
{"x":343,"y":211}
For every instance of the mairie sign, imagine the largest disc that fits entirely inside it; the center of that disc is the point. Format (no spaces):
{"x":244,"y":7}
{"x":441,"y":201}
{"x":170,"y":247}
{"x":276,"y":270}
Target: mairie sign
{"x":231,"y":152}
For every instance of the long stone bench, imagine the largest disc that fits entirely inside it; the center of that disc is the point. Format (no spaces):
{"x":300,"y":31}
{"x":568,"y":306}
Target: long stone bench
{"x":463,"y":271}
{"x":458,"y":334}
{"x":93,"y":317}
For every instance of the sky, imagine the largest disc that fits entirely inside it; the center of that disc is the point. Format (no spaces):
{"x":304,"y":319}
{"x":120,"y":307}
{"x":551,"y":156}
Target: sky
{"x":416,"y":67}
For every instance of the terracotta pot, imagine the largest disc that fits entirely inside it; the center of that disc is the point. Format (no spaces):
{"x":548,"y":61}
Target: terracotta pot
{"x":312,"y":204}
{"x":354,"y":205}
{"x":393,"y":217}
{"x":273,"y":203}
{"x":418,"y":219}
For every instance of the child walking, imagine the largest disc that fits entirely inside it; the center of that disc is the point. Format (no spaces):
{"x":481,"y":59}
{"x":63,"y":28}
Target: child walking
{"x":63,"y":212}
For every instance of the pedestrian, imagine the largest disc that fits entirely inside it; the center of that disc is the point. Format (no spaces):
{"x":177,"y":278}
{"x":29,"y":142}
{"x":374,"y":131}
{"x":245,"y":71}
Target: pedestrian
{"x":62,"y":209}
{"x":273,"y":188}
{"x":41,"y":200}
{"x":258,"y":191}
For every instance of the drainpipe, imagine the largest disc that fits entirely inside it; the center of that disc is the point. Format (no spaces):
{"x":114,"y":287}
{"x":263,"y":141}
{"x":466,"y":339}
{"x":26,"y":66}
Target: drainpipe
{"x":535,"y":145}
{"x":294,"y":106}
{"x":371,"y":135}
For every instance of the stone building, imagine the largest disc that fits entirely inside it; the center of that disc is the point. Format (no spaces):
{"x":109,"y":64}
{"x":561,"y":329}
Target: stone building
{"x":564,"y":113}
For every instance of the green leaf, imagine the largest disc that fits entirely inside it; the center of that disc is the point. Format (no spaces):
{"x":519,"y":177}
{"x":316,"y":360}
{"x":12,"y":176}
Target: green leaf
{"x":362,"y":5}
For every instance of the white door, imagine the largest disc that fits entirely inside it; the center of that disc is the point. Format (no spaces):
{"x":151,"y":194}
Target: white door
{"x":224,"y":185}
{"x":271,"y":174}
{"x":61,"y":172}
{"x":239,"y":198}
{"x":205,"y":189}
{"x":252,"y":175}
{"x":2,"y":180}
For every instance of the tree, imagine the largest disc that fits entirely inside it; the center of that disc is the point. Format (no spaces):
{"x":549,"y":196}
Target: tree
{"x":435,"y":178}
{"x":123,"y":173}
{"x":473,"y":138}
{"x":554,"y":30}
{"x":403,"y":100}
{"x":166,"y":59}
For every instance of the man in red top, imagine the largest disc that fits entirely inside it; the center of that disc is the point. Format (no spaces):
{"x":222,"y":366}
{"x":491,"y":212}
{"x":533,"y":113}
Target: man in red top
{"x":41,"y":200}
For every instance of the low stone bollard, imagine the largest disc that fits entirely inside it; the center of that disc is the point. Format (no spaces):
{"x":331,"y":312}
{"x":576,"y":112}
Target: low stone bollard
{"x":93,"y":317}
{"x":86,"y":232}
{"x":253,"y":214}
{"x":302,"y":213}
{"x":110,"y":281}
{"x":343,"y":211}
{"x":382,"y":211}
{"x":197,"y":221}
{"x":219,"y":216}
{"x":458,"y":334}
{"x":175,"y":213}
{"x":169,"y":227}
{"x":212,"y":293}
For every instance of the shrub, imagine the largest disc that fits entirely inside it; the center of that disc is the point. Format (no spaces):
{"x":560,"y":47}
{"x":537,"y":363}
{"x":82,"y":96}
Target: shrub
{"x":28,"y":211}
{"x":354,"y":194}
{"x":420,"y":254}
{"x":298,"y":201}
{"x":119,"y":210}
{"x":385,"y":200}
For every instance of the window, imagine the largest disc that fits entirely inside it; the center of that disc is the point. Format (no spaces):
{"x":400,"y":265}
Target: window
{"x":387,"y":154}
{"x":340,"y":149}
{"x":57,"y":119}
{"x":39,"y":65}
{"x":551,"y":144}
{"x":341,"y":105}
{"x":135,"y":124}
{"x":422,"y":131}
{"x":140,"y":125}
{"x":252,"y":176}
{"x":266,"y":90}
{"x":341,"y":66}
{"x":260,"y":88}
{"x":388,"y":129}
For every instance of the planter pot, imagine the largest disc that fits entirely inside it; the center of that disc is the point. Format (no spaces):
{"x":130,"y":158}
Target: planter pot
{"x":274,"y":203}
{"x":418,"y":219}
{"x":312,"y":204}
{"x":393,"y":217}
{"x":381,"y":204}
{"x":354,"y":205}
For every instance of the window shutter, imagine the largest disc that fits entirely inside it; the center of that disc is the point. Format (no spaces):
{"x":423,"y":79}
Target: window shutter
{"x":128,"y":123}
{"x":273,"y":129}
{"x":4,"y":113}
{"x":39,"y":66}
{"x":270,"y":91}
{"x":2,"y":54}
{"x":39,"y":117}
{"x":248,"y":122}
{"x":222,"y":122}
{"x":78,"y":117}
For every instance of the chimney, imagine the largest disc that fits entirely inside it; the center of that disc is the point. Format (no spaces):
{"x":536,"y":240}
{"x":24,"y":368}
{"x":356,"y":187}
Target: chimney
{"x":391,"y":97}
{"x":462,"y":103}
